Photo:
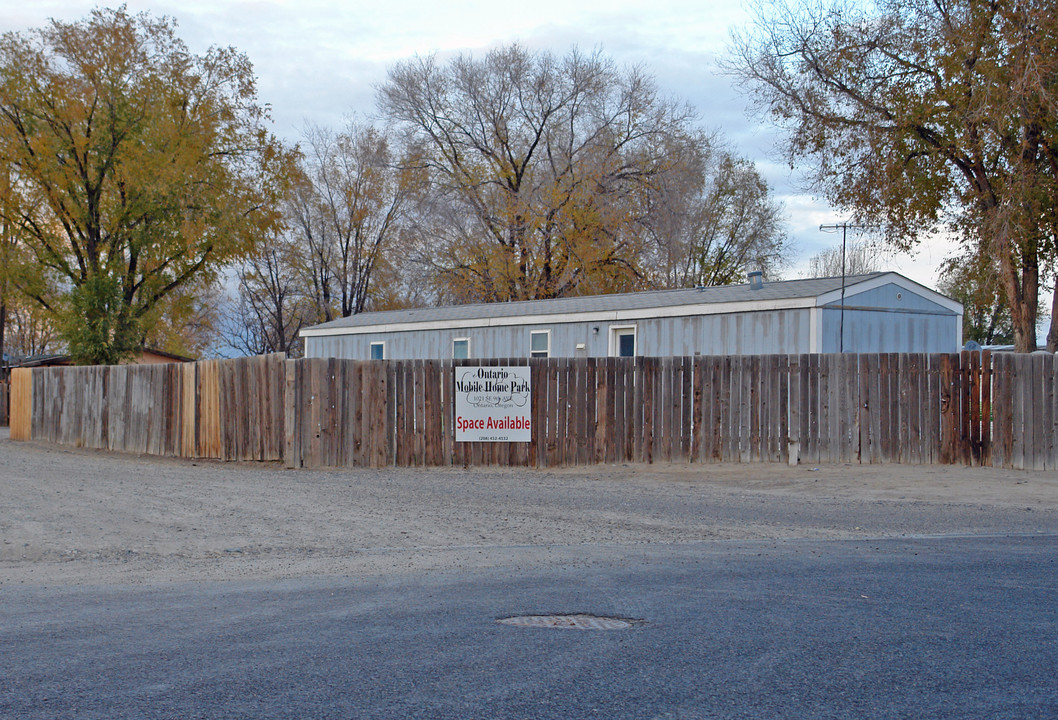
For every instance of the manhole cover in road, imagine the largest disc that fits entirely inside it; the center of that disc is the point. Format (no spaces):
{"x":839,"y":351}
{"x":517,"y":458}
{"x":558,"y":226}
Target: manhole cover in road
{"x":572,"y":622}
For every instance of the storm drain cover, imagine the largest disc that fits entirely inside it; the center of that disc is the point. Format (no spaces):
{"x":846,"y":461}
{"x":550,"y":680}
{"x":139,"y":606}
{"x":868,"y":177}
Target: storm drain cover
{"x":571,"y":622}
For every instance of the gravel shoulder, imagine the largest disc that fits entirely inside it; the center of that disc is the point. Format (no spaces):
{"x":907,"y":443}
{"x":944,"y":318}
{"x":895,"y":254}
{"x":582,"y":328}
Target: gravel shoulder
{"x":74,"y":517}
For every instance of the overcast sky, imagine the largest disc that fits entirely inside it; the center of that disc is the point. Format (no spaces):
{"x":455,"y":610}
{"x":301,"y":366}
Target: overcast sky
{"x":318,"y":61}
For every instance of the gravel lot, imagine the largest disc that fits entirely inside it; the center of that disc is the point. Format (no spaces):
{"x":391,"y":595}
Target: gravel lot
{"x":73,"y":517}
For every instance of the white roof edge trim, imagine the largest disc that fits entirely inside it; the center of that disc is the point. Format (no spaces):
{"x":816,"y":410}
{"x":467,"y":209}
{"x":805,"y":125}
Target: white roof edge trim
{"x":893,"y":278}
{"x":566,"y":318}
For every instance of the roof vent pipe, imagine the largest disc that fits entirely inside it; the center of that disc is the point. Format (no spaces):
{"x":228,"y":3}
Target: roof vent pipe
{"x":756,"y":280}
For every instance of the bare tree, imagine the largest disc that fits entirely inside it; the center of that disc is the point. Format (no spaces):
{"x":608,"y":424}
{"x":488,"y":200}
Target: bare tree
{"x":311,"y":259}
{"x":271,"y":306}
{"x":26,"y":328}
{"x":347,"y":210}
{"x":713,"y":220}
{"x":343,"y":212}
{"x":537,"y":167}
{"x":29,"y":330}
{"x":859,"y":258}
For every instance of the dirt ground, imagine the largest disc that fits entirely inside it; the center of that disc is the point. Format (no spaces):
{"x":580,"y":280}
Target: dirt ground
{"x":73,"y":517}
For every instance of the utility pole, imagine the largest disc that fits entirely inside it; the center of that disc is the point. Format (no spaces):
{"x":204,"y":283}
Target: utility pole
{"x":844,"y":227}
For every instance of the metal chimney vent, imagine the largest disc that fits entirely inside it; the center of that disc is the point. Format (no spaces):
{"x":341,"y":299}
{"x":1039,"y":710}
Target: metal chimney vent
{"x":756,"y":280}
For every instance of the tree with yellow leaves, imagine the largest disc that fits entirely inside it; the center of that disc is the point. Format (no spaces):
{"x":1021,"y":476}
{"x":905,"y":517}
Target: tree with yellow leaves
{"x":135,"y":169}
{"x":923,"y":116}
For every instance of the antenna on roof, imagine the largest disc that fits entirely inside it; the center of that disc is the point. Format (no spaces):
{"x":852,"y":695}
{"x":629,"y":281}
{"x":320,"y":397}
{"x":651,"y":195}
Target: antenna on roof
{"x":844,"y":227}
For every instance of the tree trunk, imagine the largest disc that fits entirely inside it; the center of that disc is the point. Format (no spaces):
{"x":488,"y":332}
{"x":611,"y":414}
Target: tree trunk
{"x":1019,"y":284}
{"x":3,"y":334}
{"x":1030,"y":297}
{"x":1052,"y":334}
{"x":1022,"y":323}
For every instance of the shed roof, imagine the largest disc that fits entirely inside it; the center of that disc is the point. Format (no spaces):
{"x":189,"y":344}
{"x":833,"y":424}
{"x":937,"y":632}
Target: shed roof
{"x":769,"y":296}
{"x":57,"y":359}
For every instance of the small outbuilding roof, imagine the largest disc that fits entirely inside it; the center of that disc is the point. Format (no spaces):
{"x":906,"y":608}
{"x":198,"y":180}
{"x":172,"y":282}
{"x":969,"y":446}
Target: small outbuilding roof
{"x":689,"y":301}
{"x":145,"y":356}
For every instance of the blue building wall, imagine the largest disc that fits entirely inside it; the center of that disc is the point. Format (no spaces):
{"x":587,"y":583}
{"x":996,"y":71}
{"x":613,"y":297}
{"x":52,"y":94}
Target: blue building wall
{"x":889,"y":318}
{"x":738,"y":334}
{"x":877,"y":331}
{"x":894,"y":297}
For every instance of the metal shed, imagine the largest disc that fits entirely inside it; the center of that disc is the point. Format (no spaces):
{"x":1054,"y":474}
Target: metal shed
{"x":877,"y":312}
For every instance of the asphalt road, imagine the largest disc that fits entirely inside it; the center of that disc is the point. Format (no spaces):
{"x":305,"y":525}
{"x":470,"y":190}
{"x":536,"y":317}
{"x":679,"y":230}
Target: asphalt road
{"x":943,"y":627}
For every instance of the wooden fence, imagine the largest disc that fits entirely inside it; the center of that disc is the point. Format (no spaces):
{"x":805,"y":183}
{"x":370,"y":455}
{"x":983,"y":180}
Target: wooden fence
{"x":968,"y":408}
{"x":224,"y":409}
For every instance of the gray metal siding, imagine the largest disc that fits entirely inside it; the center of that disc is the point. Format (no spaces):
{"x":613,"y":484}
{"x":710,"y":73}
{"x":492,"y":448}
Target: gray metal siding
{"x":871,"y":331}
{"x":781,"y":331}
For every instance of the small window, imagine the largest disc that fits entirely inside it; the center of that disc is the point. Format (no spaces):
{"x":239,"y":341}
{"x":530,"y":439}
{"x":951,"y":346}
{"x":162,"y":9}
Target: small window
{"x":461,"y":348}
{"x":378,"y":351}
{"x":540,"y":343}
{"x":623,"y":341}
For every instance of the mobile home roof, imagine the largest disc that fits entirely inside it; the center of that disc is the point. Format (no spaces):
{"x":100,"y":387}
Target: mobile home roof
{"x":692,"y":301}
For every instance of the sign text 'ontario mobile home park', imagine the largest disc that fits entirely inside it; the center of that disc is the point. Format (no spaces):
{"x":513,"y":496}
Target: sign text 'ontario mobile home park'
{"x":493,"y":404}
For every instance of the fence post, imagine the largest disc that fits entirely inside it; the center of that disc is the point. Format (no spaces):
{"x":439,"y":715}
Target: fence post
{"x":291,"y":417}
{"x":949,"y":408}
{"x":986,"y":410}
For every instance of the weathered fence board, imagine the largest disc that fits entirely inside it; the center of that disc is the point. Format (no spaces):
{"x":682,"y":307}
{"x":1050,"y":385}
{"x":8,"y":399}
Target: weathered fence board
{"x":21,"y":404}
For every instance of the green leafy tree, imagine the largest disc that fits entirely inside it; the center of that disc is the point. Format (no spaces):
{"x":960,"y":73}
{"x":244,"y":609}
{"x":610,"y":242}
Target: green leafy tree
{"x":972,"y":280}
{"x":924,"y":116}
{"x":98,"y":327}
{"x":135,"y":168}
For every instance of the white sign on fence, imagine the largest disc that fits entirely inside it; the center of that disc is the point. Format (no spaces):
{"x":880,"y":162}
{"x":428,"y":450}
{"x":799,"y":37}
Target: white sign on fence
{"x":493,"y":404}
